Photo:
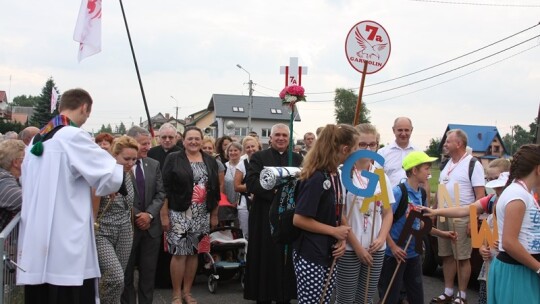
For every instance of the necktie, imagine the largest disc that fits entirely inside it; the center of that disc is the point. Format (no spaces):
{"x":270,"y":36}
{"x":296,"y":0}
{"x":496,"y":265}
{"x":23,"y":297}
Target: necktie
{"x":139,"y":177}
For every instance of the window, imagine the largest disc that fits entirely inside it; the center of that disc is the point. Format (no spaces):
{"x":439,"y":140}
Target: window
{"x":265,"y":132}
{"x":275,"y":111}
{"x":238,"y":109}
{"x":496,"y":149}
{"x":240,"y":132}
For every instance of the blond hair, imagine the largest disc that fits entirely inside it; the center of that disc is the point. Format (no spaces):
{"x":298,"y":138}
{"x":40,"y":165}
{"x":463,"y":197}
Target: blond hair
{"x":124,"y":142}
{"x":10,"y":149}
{"x":325,"y":154}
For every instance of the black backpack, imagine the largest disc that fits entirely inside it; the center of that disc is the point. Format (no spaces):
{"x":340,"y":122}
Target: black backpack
{"x":404,"y":201}
{"x":281,"y":212}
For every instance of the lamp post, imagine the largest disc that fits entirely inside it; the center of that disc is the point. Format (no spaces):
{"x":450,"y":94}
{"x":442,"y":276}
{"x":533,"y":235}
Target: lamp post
{"x":250,"y":105}
{"x":176,"y":117}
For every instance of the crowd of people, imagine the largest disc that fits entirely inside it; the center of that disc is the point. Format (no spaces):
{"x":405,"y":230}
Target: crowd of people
{"x":94,"y":211}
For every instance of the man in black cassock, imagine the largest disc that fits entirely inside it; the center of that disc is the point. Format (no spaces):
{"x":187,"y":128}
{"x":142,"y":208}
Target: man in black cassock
{"x":269,"y":273}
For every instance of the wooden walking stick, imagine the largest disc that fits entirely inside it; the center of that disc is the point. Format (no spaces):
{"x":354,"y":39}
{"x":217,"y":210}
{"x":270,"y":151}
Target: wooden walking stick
{"x":395,"y":272}
{"x":334,"y":260}
{"x":371,"y":241}
{"x":456,"y":255}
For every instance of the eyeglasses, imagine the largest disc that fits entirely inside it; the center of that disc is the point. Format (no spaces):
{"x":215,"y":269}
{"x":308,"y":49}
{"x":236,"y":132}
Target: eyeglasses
{"x":364,"y":145}
{"x":169,"y":137}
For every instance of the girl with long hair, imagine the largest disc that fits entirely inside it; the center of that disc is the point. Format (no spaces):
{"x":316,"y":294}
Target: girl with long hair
{"x":320,"y":194}
{"x":514,"y":276}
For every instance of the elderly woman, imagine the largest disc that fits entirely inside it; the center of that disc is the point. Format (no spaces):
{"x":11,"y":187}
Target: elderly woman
{"x":104,"y":140}
{"x":11,"y":158}
{"x":250,"y":145}
{"x":114,"y":231}
{"x":190,"y":178}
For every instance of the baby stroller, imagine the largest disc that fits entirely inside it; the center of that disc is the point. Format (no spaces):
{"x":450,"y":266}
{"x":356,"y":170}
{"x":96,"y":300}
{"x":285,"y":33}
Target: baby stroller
{"x":225,"y":258}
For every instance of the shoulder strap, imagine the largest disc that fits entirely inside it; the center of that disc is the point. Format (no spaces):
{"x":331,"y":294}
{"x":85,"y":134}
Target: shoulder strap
{"x":472,"y":162}
{"x":424,"y":196}
{"x":491,"y":203}
{"x":400,"y":211}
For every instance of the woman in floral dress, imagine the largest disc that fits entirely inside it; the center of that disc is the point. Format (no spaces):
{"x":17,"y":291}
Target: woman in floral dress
{"x":191,"y":182}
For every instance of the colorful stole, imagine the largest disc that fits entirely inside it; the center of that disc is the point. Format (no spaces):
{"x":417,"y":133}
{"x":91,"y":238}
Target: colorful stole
{"x":59,"y":120}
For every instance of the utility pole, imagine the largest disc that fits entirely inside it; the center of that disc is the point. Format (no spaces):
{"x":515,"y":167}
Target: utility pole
{"x":537,"y":135}
{"x":250,"y":103}
{"x":176,"y":117}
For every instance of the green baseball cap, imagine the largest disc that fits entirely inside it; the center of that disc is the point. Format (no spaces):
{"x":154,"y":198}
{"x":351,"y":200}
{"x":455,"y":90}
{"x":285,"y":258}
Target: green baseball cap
{"x":416,"y":158}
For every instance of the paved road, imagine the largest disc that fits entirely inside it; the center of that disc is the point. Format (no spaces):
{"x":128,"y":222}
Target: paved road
{"x":231,"y":292}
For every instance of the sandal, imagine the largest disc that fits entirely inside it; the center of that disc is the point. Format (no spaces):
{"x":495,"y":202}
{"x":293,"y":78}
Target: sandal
{"x":442,"y":299}
{"x":189,"y":299}
{"x":459,"y":301}
{"x":176,"y":300}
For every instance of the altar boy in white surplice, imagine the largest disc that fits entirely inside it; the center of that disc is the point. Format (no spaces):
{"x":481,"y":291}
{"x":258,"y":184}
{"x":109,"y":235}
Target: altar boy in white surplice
{"x":57,"y":250}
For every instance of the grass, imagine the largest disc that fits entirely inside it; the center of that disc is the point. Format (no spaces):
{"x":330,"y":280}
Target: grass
{"x":434,"y":180}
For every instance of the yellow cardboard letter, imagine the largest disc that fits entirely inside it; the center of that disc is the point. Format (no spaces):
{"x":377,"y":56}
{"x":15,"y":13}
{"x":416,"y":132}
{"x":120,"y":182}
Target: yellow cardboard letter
{"x":383,"y":196}
{"x":485,"y":235}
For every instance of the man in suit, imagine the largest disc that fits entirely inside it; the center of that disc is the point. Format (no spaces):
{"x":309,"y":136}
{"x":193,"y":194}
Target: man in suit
{"x":268,"y":276}
{"x":147,"y":234}
{"x":167,"y":145}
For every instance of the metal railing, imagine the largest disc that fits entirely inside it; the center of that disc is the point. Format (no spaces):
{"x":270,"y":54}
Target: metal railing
{"x":9,"y":291}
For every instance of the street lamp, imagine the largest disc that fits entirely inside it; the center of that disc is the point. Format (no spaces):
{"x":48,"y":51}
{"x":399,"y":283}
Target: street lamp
{"x":176,"y":110}
{"x":250,"y":105}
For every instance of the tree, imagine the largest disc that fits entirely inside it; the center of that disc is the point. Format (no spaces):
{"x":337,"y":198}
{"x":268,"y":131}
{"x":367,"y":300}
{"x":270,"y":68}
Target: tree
{"x":345,"y":107}
{"x":433,"y":148}
{"x":25,"y":101}
{"x":42,"y":110}
{"x":122,"y":128}
{"x":519,"y":137}
{"x":6,"y":126}
{"x":104,"y":129}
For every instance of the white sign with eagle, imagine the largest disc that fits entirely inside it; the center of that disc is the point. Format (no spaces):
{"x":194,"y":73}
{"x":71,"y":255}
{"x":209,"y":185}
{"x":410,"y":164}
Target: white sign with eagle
{"x":367,"y":41}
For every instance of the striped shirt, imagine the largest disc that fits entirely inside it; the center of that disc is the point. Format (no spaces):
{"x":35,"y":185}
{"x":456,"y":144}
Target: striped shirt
{"x":10,"y":197}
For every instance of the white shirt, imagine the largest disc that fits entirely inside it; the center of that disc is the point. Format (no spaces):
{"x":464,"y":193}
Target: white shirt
{"x":529,"y":234}
{"x":393,"y":161}
{"x":242,"y":168}
{"x":362,"y":223}
{"x":458,"y":173}
{"x":56,"y":239}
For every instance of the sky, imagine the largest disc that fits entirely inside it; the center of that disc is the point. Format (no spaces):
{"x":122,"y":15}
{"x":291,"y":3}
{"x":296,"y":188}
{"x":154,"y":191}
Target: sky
{"x":188,"y":50}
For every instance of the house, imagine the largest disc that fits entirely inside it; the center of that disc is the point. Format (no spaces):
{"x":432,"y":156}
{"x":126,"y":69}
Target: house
{"x":159,"y":119}
{"x":228,"y":115}
{"x":4,"y":108}
{"x":485,"y":141}
{"x":21,"y":114}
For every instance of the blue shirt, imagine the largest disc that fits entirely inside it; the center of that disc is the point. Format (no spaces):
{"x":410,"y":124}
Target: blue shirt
{"x":415,"y":198}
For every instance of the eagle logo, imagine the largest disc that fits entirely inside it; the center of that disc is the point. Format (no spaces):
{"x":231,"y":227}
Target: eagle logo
{"x":367,"y":49}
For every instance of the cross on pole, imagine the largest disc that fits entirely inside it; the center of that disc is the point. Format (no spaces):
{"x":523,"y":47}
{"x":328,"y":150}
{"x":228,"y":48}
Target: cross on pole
{"x":293,"y":72}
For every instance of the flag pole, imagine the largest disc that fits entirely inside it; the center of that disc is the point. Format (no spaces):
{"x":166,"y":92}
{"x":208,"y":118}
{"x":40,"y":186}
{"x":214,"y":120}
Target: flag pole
{"x":137,"y":70}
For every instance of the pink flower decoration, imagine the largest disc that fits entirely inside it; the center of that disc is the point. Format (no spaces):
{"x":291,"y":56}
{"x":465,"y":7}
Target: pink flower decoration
{"x":295,"y":90}
{"x":283,"y":92}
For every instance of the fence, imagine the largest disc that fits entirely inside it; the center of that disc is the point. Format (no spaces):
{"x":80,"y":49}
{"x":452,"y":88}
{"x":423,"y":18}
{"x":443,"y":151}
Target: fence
{"x":9,"y":291}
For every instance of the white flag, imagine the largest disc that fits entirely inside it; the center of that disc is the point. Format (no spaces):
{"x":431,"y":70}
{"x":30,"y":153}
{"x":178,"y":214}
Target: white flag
{"x":88,"y":28}
{"x":54,"y":99}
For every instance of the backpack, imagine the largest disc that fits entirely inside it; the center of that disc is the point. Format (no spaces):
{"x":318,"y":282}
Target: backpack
{"x":281,"y":212}
{"x":404,"y":201}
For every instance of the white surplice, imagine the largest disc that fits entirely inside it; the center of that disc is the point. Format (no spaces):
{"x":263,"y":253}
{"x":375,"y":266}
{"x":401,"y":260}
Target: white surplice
{"x":56,"y":239}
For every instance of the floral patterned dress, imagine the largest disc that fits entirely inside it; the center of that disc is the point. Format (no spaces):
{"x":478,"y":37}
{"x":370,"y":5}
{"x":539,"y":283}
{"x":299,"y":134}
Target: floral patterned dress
{"x":188,"y":227}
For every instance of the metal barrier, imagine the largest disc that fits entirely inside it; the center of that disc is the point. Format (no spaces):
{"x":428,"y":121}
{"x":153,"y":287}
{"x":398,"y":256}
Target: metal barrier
{"x":9,"y":291}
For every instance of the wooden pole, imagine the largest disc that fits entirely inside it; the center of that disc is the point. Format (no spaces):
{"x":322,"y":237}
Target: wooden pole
{"x":456,"y":256}
{"x":371,"y":241}
{"x":359,"y":102}
{"x":150,"y":128}
{"x":395,"y":272}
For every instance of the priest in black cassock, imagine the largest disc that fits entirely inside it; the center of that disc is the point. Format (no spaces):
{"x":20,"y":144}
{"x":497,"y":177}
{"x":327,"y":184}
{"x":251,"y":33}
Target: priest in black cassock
{"x":269,"y":275}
